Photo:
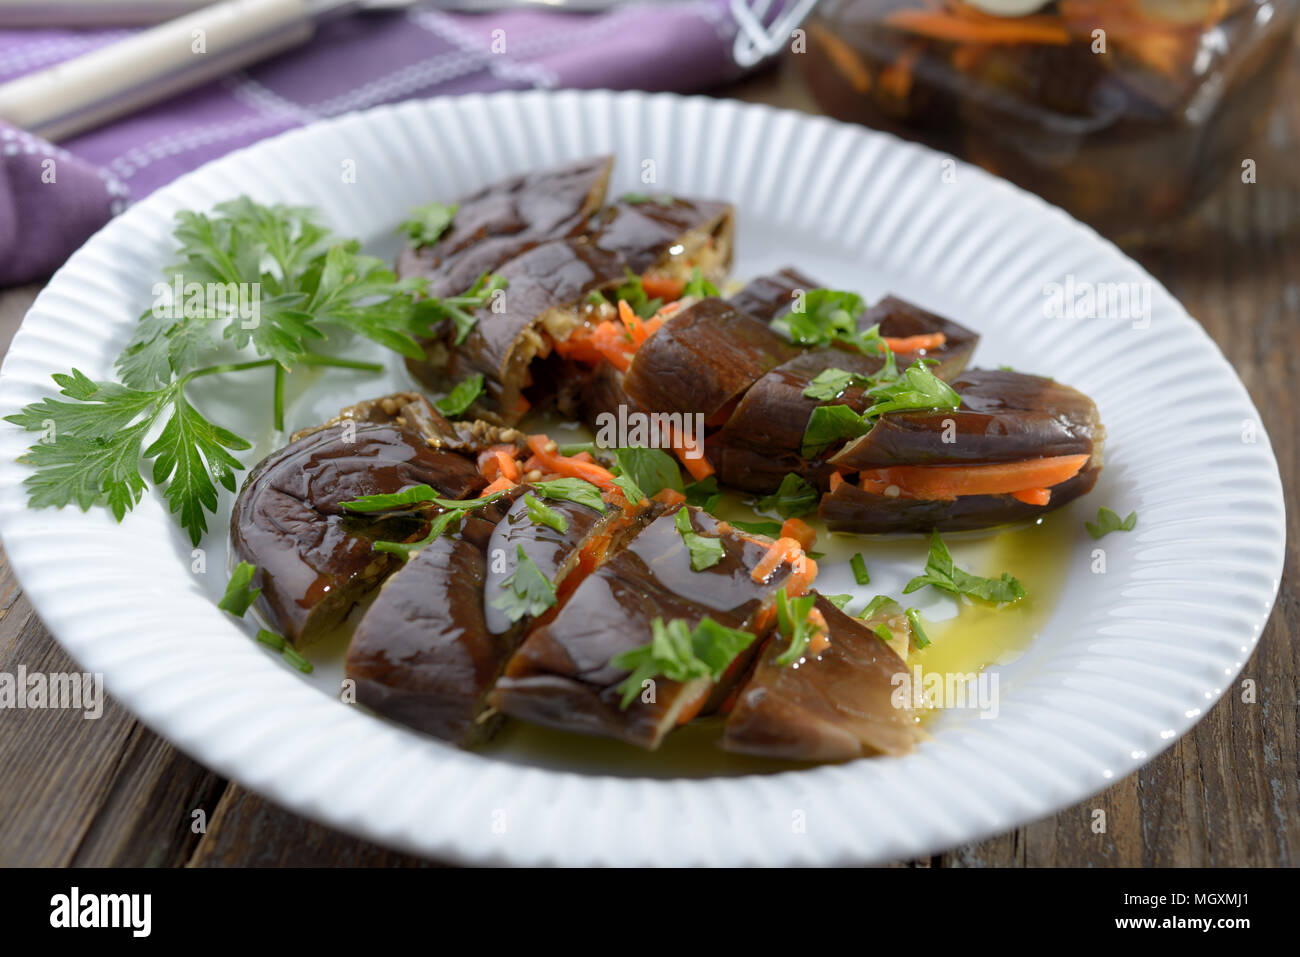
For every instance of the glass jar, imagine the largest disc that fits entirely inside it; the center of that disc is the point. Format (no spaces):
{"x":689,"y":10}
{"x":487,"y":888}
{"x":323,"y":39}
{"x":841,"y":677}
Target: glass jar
{"x":1124,"y":112}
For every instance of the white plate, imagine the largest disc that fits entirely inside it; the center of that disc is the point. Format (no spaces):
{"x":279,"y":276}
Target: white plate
{"x":1128,"y":661}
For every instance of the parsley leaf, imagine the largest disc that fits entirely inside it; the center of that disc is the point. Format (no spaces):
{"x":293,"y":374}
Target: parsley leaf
{"x":705,"y":551}
{"x":653,"y":470}
{"x":572,"y":490}
{"x":637,"y":199}
{"x":839,"y":601}
{"x":458,"y":310}
{"x":1109,"y":521}
{"x":240,"y":594}
{"x":917,"y":388}
{"x":875,"y":606}
{"x":792,"y":622}
{"x":631,"y":490}
{"x":823,"y":316}
{"x":698,"y":286}
{"x":428,"y":222}
{"x":792,"y":499}
{"x":770,"y":529}
{"x":680,"y":654}
{"x":919,"y":637}
{"x":543,"y":514}
{"x":704,"y":494}
{"x":829,"y":424}
{"x":527,"y":591}
{"x":460,"y":398}
{"x":831,"y":383}
{"x":943,"y":573}
{"x":289,"y":653}
{"x":410,"y":496}
{"x":632,"y":292}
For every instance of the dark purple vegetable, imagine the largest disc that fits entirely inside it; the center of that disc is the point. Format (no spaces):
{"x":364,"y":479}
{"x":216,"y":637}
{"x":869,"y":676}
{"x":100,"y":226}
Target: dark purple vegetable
{"x":668,"y":233}
{"x":702,"y":358}
{"x":315,"y":560}
{"x":766,"y":297}
{"x":561,"y":676}
{"x":507,"y":218}
{"x":899,"y":319}
{"x":836,"y":705}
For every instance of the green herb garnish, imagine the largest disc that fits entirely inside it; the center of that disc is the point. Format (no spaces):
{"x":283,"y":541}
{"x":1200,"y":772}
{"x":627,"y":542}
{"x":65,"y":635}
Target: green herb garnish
{"x":704,"y":494}
{"x":875,"y":606}
{"x":427,"y":223}
{"x":919,"y":637}
{"x":770,"y":529}
{"x":460,"y":398}
{"x":631,"y":490}
{"x":637,"y":199}
{"x":572,"y":490}
{"x":287,"y":651}
{"x":831,"y":384}
{"x":705,"y":551}
{"x":458,"y":310}
{"x":829,"y":424}
{"x":653,"y":470}
{"x":826,"y":315}
{"x":793,"y":498}
{"x":680,"y":654}
{"x":1109,"y":521}
{"x":633,"y":292}
{"x":839,"y":601}
{"x":543,"y":514}
{"x":859,"y":566}
{"x":240,"y":593}
{"x":526,"y":592}
{"x":792,"y":621}
{"x":916,"y":389}
{"x":943,"y":573}
{"x":699,"y":287}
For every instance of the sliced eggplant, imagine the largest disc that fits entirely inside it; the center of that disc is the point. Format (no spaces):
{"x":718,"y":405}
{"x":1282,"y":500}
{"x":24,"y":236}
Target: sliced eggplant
{"x":703,"y":358}
{"x":668,"y":235}
{"x":767,"y":297}
{"x":432,"y":645}
{"x":506,"y":219}
{"x":900,"y":319}
{"x":315,"y":559}
{"x":833,"y":705}
{"x":1005,"y":417}
{"x":562,"y":677}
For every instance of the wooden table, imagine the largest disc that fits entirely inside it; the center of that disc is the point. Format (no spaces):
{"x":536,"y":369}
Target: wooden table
{"x":110,"y":792}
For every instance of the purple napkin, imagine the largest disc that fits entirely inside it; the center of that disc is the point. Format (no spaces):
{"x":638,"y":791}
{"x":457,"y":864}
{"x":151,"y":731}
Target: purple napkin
{"x":53,"y":198}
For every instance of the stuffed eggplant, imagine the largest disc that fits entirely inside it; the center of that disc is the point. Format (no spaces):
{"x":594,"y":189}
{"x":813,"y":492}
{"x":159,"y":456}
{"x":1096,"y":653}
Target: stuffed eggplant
{"x":1019,"y":444}
{"x":315,"y":558}
{"x":565,"y":674}
{"x":838,"y":704}
{"x":664,"y":239}
{"x":505,"y":220}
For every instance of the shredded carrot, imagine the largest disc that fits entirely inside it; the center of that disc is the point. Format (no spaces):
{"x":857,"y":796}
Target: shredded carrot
{"x":500,"y":485}
{"x":698,"y":466}
{"x":669,"y":496}
{"x":800,"y":531}
{"x":509,"y":467}
{"x":837,"y":479}
{"x":552,"y":461}
{"x":929,"y":340}
{"x":613,"y":342}
{"x":802,"y":573}
{"x":662,"y":287}
{"x":629,"y":317}
{"x":819,"y":640}
{"x":946,"y":482}
{"x":782,"y":550}
{"x":940,"y":25}
{"x":1033,"y":496}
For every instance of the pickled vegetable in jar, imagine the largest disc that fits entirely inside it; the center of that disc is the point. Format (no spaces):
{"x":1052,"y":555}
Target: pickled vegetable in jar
{"x":1125,"y":112}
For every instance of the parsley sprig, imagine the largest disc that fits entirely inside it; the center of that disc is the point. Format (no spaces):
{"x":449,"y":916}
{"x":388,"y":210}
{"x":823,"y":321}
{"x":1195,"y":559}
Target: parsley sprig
{"x":1109,"y":521}
{"x":680,"y":653}
{"x":527,"y":592}
{"x":942,"y":572}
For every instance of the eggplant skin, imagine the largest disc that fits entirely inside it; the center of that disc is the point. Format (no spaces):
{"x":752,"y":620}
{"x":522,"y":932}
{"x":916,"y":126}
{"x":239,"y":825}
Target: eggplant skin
{"x":703,"y":357}
{"x":644,"y":233}
{"x":422,"y":654}
{"x":562,"y":677}
{"x":899,"y":319}
{"x":1004,"y":417}
{"x":766,"y":297}
{"x":835,"y":706}
{"x":314,"y":559}
{"x":546,"y":286}
{"x":508,"y":218}
{"x":851,"y":509}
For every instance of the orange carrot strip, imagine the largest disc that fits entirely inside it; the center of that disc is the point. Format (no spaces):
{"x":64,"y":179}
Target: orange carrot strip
{"x":562,"y":465}
{"x":800,"y":531}
{"x":500,"y":485}
{"x":802,"y":573}
{"x":662,"y":287}
{"x":944,"y":26}
{"x":699,"y":467}
{"x":509,"y":467}
{"x":946,"y":482}
{"x":928,"y":340}
{"x":1033,"y":496}
{"x":783,"y":549}
{"x":818,"y":640}
{"x":669,"y":496}
{"x":837,"y":479}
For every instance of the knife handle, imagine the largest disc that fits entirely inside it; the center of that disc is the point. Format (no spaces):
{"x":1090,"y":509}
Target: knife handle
{"x":152,"y":65}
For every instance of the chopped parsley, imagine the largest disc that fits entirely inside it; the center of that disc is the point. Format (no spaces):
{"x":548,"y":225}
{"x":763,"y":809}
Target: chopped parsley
{"x":653,"y":470}
{"x":704,"y":494}
{"x":681,"y":654}
{"x":829,"y":424}
{"x":458,"y":310}
{"x":543,"y":514}
{"x":792,"y":499}
{"x":572,"y":490}
{"x":699,"y":287}
{"x":919,"y":637}
{"x":705,"y":551}
{"x":527,"y":592}
{"x":639,"y":199}
{"x":859,"y":566}
{"x":943,"y":573}
{"x":792,"y":622}
{"x":460,"y":398}
{"x":831,"y":384}
{"x":824,"y":316}
{"x":770,"y":529}
{"x":240,"y":593}
{"x":634,"y":294}
{"x":1109,"y":521}
{"x":427,"y":223}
